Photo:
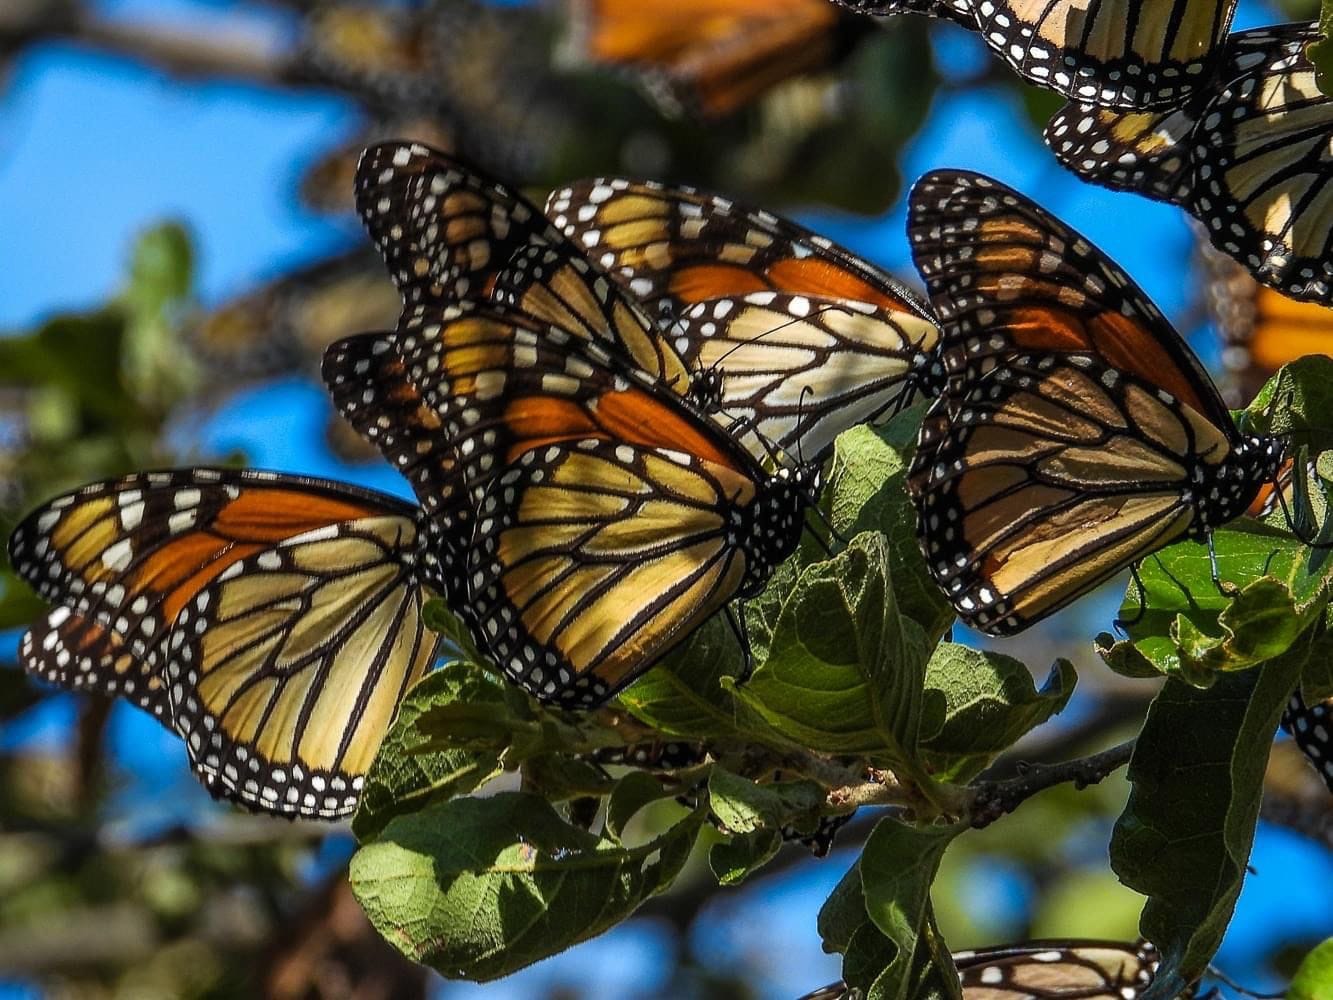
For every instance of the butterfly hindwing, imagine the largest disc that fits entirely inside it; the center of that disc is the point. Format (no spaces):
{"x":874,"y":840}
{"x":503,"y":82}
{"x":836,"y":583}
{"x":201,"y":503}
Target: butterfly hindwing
{"x":789,"y":373}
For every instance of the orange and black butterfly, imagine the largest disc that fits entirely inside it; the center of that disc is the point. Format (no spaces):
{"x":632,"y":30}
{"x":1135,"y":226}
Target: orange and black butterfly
{"x":801,"y":338}
{"x":781,"y":336}
{"x":1114,"y":53}
{"x":1247,"y":156}
{"x":273,"y":622}
{"x":712,"y":57}
{"x":1079,"y":432}
{"x":1047,"y":970}
{"x":610,"y":517}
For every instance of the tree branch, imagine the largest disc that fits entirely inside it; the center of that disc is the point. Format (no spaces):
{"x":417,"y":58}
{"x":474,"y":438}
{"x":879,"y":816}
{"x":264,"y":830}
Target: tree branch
{"x":993,"y":799}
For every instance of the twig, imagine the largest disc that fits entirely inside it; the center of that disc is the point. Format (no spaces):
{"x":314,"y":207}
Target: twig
{"x":993,"y":799}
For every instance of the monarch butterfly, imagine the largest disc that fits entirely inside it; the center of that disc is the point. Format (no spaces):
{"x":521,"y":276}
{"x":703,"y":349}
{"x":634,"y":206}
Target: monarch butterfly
{"x":1047,"y":970}
{"x":1080,"y":433}
{"x":1309,"y":726}
{"x":1247,"y":157}
{"x":1261,"y":329}
{"x":272,"y":621}
{"x":788,"y":345}
{"x":1117,"y":53}
{"x":281,"y":326}
{"x":802,"y":337}
{"x":711,"y":56}
{"x":610,"y":517}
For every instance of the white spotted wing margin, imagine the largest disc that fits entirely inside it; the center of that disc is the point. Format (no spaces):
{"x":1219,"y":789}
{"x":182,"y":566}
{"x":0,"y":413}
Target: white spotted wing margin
{"x":272,"y":621}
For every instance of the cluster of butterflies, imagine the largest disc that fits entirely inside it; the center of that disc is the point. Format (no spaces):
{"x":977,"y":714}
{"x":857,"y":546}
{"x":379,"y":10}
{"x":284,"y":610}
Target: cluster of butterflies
{"x":1165,"y":101}
{"x":613,"y":413}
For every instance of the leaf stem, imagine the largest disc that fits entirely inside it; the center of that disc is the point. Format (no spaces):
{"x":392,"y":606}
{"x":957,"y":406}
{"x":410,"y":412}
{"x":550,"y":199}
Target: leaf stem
{"x":993,"y":799}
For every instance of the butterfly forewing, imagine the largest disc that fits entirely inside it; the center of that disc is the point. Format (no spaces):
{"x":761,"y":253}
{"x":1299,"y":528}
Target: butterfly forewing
{"x":1004,"y":275}
{"x":675,"y":246}
{"x":444,"y":230}
{"x":273,"y":621}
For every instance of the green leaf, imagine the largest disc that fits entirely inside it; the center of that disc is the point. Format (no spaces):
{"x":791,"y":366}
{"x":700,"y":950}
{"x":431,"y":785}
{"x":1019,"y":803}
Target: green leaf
{"x":846,"y":670}
{"x":1184,"y":838}
{"x":558,"y":777}
{"x":402,"y":778}
{"x":632,"y":793}
{"x":743,"y":806}
{"x":1190,"y":630}
{"x":897,"y":868}
{"x":1295,"y":402}
{"x":1314,"y":978}
{"x":480,"y":887}
{"x":684,"y":696}
{"x":867,"y":492}
{"x":989,"y":702}
{"x":733,"y":860}
{"x":440,"y":620}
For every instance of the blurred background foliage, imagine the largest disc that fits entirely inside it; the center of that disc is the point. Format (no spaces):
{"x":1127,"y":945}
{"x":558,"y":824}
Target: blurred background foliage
{"x":118,"y":877}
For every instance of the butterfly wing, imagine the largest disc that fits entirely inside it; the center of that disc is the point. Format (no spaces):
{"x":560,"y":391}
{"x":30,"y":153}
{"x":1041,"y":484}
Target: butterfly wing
{"x":76,"y":653}
{"x":713,"y":56}
{"x":1049,"y":478}
{"x":792,"y":372}
{"x":444,"y":229}
{"x":1309,"y":726}
{"x":370,"y":386}
{"x":674,"y":246}
{"x":611,"y":519}
{"x":1248,"y":158}
{"x":280,"y":614}
{"x":1147,"y":152}
{"x":1264,"y":188}
{"x":1004,"y":275}
{"x":1046,"y":970}
{"x":1120,"y":53}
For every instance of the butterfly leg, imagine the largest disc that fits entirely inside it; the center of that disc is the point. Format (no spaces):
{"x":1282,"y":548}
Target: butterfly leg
{"x":1223,"y":587}
{"x":742,"y":633}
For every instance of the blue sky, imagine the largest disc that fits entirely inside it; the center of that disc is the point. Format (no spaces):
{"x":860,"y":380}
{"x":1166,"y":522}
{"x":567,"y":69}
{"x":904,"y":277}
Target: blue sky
{"x":96,"y":148}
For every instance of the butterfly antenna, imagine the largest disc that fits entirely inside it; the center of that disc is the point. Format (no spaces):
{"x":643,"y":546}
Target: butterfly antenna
{"x":742,"y":633}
